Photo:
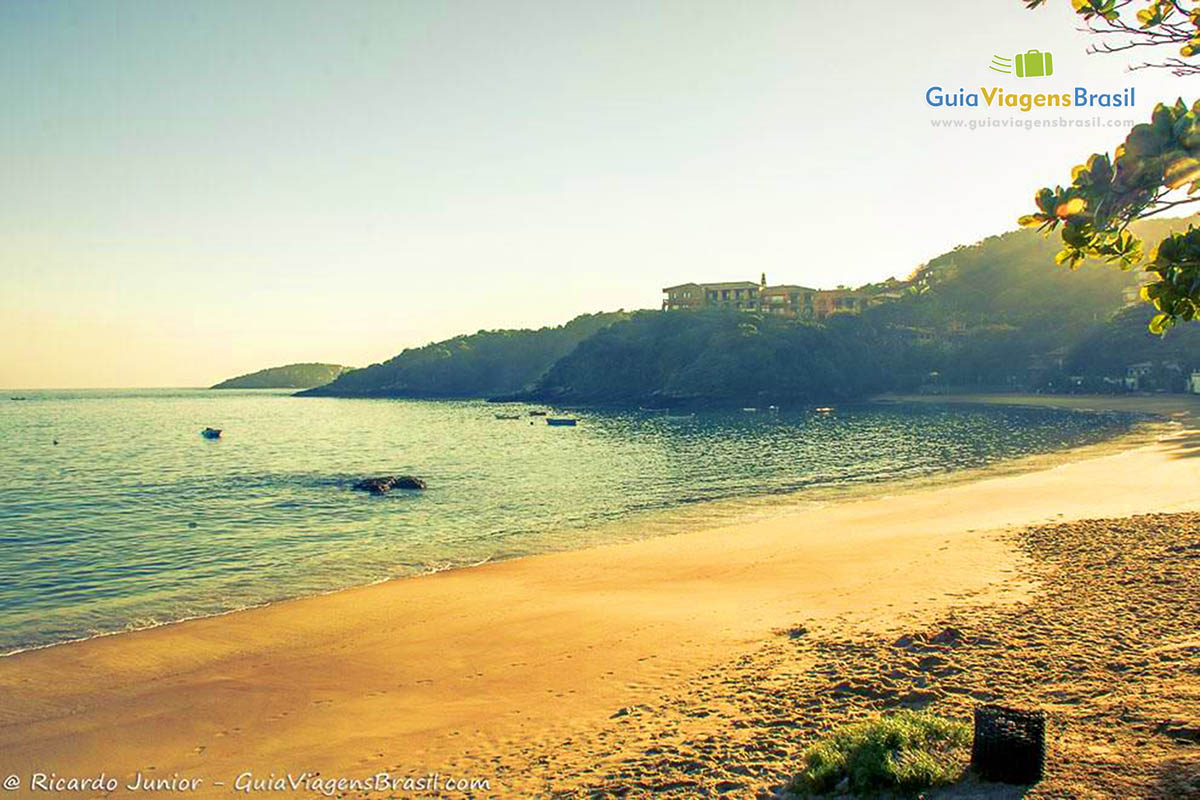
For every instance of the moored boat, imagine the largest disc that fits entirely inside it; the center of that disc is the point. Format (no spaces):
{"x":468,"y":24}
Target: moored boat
{"x":569,"y":421}
{"x":211,"y":433}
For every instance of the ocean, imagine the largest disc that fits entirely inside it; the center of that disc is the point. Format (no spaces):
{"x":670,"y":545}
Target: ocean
{"x":133,"y":519}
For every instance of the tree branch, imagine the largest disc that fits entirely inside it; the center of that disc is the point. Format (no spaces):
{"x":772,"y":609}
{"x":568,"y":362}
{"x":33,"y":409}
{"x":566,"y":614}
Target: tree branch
{"x":1161,"y":207}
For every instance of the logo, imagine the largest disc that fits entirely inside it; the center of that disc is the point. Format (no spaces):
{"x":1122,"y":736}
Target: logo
{"x":1028,"y":98}
{"x":1031,"y":64}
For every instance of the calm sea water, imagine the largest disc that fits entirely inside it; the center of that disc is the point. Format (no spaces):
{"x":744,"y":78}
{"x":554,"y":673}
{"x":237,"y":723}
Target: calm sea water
{"x":133,"y":519}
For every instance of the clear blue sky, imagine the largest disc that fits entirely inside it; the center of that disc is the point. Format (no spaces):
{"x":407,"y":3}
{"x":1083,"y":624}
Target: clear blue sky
{"x":197,"y":189}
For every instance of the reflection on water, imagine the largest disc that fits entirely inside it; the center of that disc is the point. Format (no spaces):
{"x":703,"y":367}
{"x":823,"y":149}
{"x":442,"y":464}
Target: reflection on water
{"x":133,"y":518}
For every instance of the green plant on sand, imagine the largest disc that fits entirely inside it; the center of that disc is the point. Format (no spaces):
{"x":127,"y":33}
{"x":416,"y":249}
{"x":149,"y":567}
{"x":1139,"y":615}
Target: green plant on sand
{"x":901,"y":753}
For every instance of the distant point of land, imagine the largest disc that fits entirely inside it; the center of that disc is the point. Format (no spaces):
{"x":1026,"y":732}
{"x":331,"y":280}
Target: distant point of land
{"x":291,"y":376}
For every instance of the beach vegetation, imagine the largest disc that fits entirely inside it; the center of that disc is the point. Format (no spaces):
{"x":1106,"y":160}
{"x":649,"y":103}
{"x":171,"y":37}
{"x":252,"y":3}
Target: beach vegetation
{"x":902,"y":753}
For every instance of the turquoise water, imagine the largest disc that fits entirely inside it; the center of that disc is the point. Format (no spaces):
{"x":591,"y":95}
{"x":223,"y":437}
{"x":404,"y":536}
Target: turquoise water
{"x":133,"y":519}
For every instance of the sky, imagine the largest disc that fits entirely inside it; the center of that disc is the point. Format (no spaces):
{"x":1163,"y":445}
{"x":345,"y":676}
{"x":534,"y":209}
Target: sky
{"x":193,"y":190}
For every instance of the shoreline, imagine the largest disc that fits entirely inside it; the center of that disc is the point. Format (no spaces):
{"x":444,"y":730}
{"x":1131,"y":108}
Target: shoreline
{"x":470,"y":670}
{"x":725,"y":511}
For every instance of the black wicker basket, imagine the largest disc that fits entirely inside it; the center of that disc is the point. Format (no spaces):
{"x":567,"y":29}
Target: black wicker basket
{"x":1010,"y":744}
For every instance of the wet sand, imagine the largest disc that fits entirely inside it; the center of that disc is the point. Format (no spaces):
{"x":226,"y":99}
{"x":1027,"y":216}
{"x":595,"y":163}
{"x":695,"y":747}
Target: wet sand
{"x":529,"y":673}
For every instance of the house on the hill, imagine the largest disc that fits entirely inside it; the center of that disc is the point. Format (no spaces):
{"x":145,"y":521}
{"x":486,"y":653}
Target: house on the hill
{"x":741,"y":295}
{"x":791,"y":300}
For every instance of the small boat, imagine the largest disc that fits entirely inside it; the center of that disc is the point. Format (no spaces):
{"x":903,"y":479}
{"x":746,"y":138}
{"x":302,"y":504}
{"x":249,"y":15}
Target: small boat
{"x":750,"y":410}
{"x":18,"y":398}
{"x":211,"y":433}
{"x":508,"y":416}
{"x":561,"y":421}
{"x":537,"y":413}
{"x":823,"y":409}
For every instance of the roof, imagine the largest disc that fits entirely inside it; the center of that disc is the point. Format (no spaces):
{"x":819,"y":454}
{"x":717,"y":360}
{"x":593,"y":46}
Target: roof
{"x":726,"y":285}
{"x":789,"y":287}
{"x":731,"y":285}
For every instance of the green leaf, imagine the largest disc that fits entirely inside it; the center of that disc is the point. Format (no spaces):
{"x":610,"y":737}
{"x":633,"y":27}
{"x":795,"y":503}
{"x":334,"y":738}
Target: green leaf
{"x":1160,"y":323}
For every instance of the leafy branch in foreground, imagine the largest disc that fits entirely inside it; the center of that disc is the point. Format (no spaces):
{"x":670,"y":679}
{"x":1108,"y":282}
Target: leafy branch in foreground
{"x":1158,"y":23}
{"x":1106,"y":195}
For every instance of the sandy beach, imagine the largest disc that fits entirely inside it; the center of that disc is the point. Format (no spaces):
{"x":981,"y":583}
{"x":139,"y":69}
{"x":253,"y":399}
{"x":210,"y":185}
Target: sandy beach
{"x":698,"y":664}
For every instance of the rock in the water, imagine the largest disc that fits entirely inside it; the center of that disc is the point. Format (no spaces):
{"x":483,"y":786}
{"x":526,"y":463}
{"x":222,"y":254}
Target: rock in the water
{"x":374,"y":485}
{"x":408,"y":482}
{"x":386,"y":483}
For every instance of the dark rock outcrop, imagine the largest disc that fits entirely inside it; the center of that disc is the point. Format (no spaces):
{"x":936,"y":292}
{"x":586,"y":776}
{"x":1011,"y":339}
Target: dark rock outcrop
{"x":385,"y":483}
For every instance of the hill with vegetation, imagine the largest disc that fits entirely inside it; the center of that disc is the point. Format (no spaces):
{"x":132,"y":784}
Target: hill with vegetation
{"x":476,"y":365}
{"x":997,"y":314}
{"x":291,"y":376}
{"x":717,"y":358}
{"x":1000,"y":314}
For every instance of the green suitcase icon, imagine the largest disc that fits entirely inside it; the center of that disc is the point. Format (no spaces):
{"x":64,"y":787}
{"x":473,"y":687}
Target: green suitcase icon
{"x":1034,"y":64}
